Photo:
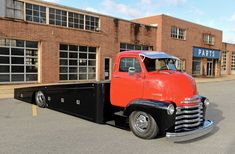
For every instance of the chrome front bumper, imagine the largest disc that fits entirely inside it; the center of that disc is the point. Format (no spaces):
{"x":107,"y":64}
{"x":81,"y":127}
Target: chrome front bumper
{"x":185,"y":136}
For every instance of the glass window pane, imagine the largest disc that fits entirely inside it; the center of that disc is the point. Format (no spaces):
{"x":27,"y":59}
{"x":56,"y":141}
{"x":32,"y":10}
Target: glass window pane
{"x":63,"y":69}
{"x":130,"y":47}
{"x":17,"y":60}
{"x":4,"y":78}
{"x":91,"y":70}
{"x":31,"y":61}
{"x":73,"y":48}
{"x":145,"y":48}
{"x":92,"y":63}
{"x":15,"y":51}
{"x":137,"y":47}
{"x":63,"y":54}
{"x":31,"y":77}
{"x":73,"y":55}
{"x":73,"y":69}
{"x":29,"y":6}
{"x":82,"y":76}
{"x":31,"y":44}
{"x":63,"y":47}
{"x":92,"y":56}
{"x":29,"y":18}
{"x":73,"y":77}
{"x":63,"y":77}
{"x":92,"y":49}
{"x":36,"y":7}
{"x":63,"y":62}
{"x":17,"y":77}
{"x":31,"y":52}
{"x":31,"y":69}
{"x":4,"y":51}
{"x":83,"y":48}
{"x":91,"y":76}
{"x":73,"y":62}
{"x":83,"y":69}
{"x":83,"y":55}
{"x":4,"y":69}
{"x":17,"y":69}
{"x":82,"y":62}
{"x":4,"y":60}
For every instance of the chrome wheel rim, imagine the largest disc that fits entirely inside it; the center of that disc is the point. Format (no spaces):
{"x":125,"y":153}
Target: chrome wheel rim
{"x":40,"y":98}
{"x":141,"y":121}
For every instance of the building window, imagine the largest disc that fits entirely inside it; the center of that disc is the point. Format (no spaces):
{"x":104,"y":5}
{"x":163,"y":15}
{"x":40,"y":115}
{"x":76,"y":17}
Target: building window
{"x":178,"y":33}
{"x":223,"y":61}
{"x":35,"y":13}
{"x":92,"y":23}
{"x":57,"y":17}
{"x":233,"y":62}
{"x":76,"y":20}
{"x":197,"y":66}
{"x":18,"y":61}
{"x":209,"y":39}
{"x":77,"y":62}
{"x":127,"y":47}
{"x":14,"y":9}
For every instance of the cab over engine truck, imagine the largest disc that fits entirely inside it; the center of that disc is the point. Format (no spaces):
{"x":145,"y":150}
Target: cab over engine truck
{"x":146,"y":93}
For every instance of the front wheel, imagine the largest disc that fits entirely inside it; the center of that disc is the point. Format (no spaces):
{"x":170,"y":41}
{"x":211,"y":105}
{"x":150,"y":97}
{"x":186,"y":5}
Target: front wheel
{"x":40,"y":99}
{"x":143,"y":125}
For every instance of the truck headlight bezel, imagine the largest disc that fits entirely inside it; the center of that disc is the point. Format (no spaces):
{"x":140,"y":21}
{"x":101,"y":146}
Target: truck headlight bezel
{"x":206,"y":102}
{"x":170,"y":109}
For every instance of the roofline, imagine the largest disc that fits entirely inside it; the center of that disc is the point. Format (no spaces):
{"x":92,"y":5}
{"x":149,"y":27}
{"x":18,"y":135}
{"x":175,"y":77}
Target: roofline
{"x":228,"y":43}
{"x":183,"y":20}
{"x":81,"y":10}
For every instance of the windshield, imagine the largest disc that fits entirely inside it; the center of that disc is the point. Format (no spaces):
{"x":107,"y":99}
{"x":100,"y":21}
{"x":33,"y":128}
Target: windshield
{"x":159,"y":64}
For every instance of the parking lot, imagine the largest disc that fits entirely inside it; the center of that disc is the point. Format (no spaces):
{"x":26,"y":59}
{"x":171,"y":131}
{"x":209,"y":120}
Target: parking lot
{"x":54,"y":132}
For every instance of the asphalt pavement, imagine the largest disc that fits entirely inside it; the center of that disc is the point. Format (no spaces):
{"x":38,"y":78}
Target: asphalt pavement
{"x":54,"y":132}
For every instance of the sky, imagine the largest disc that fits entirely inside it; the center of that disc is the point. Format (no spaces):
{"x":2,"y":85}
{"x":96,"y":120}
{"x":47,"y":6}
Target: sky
{"x":219,"y":14}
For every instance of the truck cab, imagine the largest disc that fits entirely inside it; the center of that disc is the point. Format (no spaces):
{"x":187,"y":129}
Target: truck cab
{"x":147,"y":85}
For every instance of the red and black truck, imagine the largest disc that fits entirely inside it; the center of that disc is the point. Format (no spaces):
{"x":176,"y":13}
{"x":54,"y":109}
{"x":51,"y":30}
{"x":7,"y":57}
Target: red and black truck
{"x":146,"y":94}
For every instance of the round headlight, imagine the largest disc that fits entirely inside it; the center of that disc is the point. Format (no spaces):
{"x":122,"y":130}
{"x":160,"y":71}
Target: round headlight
{"x":170,"y":109}
{"x":206,"y":102}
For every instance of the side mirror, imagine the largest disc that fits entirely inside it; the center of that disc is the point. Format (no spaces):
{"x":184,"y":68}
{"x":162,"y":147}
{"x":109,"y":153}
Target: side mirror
{"x":131,"y":71}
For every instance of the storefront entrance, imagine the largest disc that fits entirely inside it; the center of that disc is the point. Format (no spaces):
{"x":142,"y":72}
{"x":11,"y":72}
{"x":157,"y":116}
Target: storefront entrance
{"x":210,"y":68}
{"x":205,"y":62}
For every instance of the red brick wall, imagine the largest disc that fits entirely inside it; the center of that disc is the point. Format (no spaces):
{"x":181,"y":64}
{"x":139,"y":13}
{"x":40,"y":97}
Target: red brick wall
{"x":113,"y":31}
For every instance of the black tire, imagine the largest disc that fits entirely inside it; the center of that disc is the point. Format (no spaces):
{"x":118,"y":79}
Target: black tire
{"x":40,"y":99}
{"x":143,"y":125}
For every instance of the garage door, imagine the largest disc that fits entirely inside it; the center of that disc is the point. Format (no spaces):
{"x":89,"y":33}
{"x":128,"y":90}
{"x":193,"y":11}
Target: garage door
{"x":18,"y":61}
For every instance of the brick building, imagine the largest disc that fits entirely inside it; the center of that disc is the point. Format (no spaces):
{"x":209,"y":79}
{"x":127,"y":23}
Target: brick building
{"x":49,"y":43}
{"x":228,"y":59}
{"x":197,"y":46}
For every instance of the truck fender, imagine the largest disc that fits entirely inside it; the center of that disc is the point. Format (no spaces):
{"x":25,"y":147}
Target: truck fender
{"x":157,"y":109}
{"x":146,"y":105}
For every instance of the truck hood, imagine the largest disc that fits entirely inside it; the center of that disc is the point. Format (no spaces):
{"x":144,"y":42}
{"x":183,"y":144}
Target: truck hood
{"x":173,"y":86}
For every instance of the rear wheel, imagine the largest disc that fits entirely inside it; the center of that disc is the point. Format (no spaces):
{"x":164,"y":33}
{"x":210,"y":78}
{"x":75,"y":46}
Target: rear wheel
{"x":143,"y":125}
{"x":40,"y":99}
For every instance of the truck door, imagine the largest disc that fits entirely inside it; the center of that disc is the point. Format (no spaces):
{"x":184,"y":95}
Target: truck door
{"x":126,"y":87}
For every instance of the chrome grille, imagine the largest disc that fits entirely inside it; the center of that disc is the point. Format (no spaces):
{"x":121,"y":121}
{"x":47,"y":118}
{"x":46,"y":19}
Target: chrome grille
{"x":188,"y":117}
